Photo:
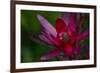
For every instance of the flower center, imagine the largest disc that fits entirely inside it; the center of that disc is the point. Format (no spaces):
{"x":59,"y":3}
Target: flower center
{"x":63,"y":36}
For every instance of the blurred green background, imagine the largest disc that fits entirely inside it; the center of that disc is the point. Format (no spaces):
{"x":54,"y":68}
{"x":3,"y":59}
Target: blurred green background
{"x":30,"y":50}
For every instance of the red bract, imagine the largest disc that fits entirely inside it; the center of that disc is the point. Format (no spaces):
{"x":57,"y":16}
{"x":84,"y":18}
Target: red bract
{"x":64,"y":36}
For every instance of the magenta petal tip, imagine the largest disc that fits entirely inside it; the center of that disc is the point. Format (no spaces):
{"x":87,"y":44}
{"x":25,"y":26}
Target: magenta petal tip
{"x":47,"y":26}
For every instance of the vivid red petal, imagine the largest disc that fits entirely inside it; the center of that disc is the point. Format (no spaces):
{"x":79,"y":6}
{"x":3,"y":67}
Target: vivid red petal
{"x":68,"y":50}
{"x":60,"y":25}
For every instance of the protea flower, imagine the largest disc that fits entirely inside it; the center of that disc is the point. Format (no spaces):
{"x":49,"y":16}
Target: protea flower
{"x":64,"y":36}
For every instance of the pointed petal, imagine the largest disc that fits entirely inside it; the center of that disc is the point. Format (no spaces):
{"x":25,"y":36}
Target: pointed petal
{"x":83,"y":35}
{"x":60,"y":25}
{"x":53,"y":40}
{"x":68,"y":50}
{"x":65,"y":17}
{"x":51,"y":55}
{"x":72,"y":23}
{"x":50,"y":38}
{"x":37,"y":40}
{"x":42,"y":37}
{"x":47,"y":25}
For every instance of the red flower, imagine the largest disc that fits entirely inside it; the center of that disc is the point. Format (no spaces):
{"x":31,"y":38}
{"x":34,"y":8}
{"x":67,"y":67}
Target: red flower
{"x":64,"y":36}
